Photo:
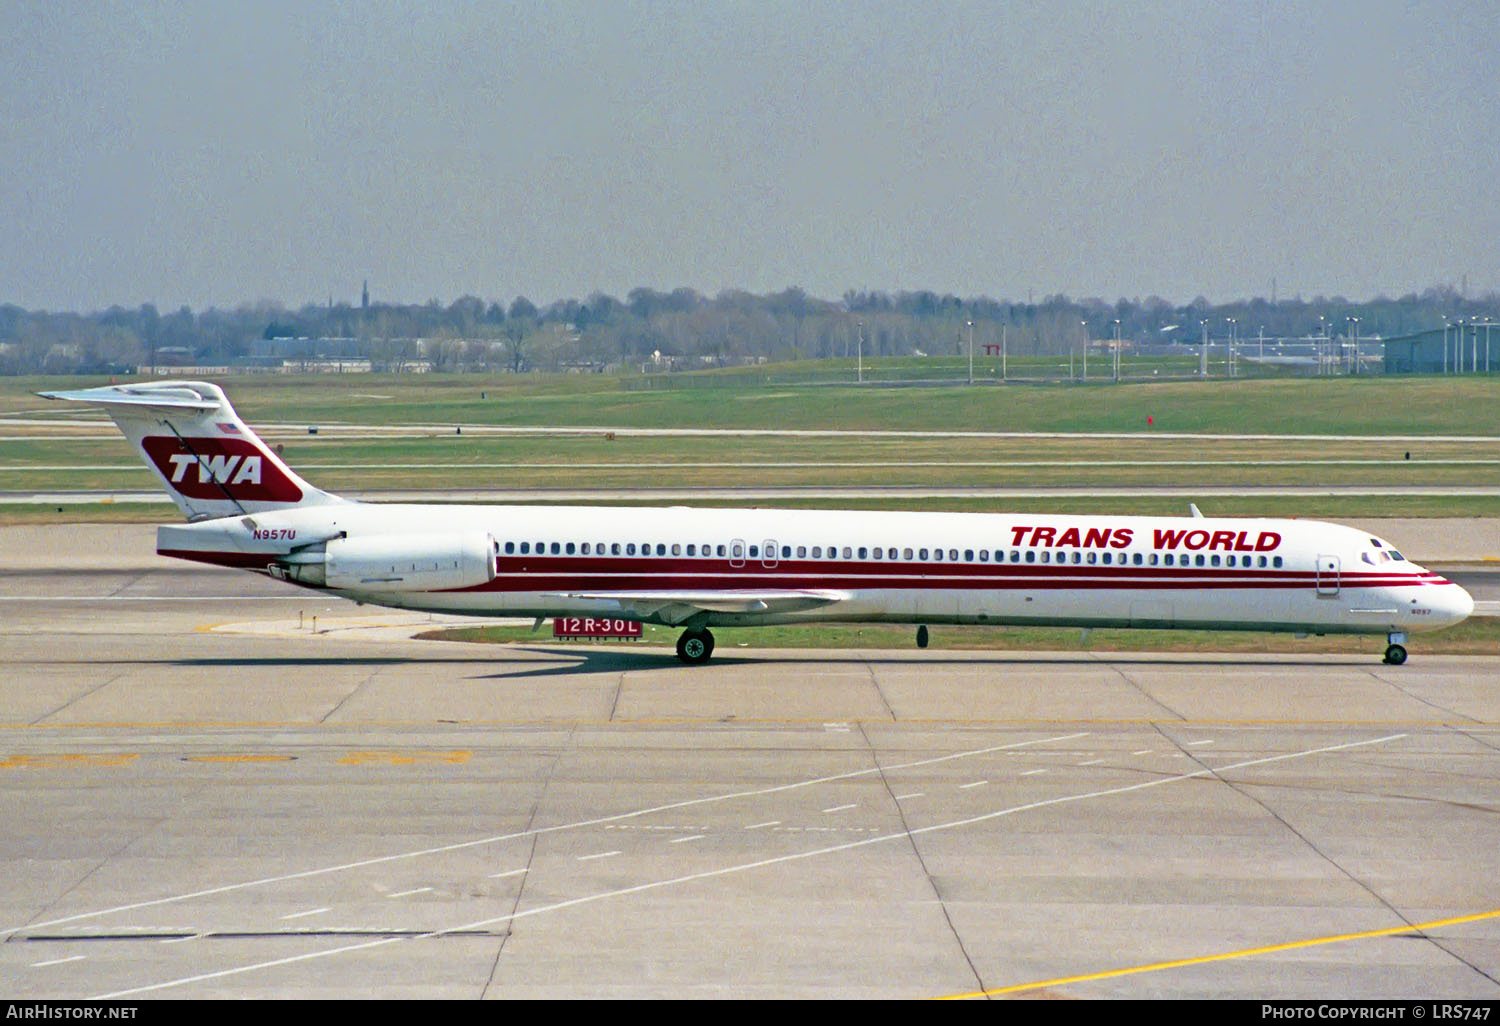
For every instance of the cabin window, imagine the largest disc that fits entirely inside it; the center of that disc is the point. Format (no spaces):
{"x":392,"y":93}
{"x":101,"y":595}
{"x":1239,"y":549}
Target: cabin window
{"x":510,"y":548}
{"x":525,"y":548}
{"x":984,"y":555}
{"x":801,"y":551}
{"x":1015,"y":555}
{"x":817,"y":552}
{"x":906,"y":553}
{"x":692,"y":550}
{"x":875,"y":552}
{"x":1030,"y":556}
{"x":848,"y":552}
{"x":937,"y":555}
{"x":571,"y":548}
{"x":586,"y":548}
{"x":1213,"y":561}
{"x":1152,"y":559}
{"x":1093,"y":558}
{"x":922,"y":555}
{"x":630,"y":548}
{"x":1108,"y":558}
{"x":1276,"y":562}
{"x":786,"y":552}
{"x":676,"y":549}
{"x":1046,"y":555}
{"x":1199,"y":560}
{"x":1262,"y":561}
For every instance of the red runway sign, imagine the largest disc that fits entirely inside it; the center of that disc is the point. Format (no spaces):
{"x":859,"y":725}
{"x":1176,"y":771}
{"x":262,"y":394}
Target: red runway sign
{"x":595,"y":627}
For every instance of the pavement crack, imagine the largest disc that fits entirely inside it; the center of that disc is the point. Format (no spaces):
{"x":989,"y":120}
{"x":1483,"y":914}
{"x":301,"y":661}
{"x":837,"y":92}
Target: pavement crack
{"x":916,"y":850}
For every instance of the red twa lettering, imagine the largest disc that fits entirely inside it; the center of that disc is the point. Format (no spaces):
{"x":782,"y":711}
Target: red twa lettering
{"x":208,"y":468}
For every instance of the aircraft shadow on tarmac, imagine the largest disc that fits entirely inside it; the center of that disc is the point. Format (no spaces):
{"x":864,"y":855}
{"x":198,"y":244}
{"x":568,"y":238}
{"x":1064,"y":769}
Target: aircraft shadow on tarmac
{"x":602,"y":660}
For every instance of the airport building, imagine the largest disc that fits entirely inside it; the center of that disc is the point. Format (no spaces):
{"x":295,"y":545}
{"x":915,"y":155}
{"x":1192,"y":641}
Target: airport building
{"x":1463,"y":348}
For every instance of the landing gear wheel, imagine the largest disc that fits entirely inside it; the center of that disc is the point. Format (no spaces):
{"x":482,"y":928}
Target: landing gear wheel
{"x":695,"y":646}
{"x":1395,"y":655}
{"x":922,"y":636}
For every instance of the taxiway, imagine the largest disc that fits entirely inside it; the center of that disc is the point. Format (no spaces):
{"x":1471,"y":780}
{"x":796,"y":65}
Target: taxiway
{"x":208,"y":795}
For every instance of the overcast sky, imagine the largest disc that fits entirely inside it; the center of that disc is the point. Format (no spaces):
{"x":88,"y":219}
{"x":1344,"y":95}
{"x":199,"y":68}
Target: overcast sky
{"x":214,"y":154}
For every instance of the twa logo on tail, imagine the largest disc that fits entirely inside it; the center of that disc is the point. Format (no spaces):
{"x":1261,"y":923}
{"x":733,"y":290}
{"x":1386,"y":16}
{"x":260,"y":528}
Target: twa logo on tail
{"x":207,"y":468}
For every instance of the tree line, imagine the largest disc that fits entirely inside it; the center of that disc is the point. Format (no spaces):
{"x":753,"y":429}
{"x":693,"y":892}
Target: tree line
{"x":680,"y":329}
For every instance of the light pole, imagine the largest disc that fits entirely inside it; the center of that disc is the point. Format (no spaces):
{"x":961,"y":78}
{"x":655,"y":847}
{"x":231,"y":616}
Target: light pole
{"x":1117,"y":351}
{"x":971,"y":352}
{"x":860,"y":357}
{"x":1085,"y":326}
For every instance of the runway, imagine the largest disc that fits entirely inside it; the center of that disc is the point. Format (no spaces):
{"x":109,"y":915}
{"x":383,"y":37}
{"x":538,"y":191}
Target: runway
{"x":208,"y":795}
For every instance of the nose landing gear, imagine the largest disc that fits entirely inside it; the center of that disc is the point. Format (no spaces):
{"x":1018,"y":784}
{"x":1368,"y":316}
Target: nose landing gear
{"x":1395,"y":650}
{"x":695,"y":646}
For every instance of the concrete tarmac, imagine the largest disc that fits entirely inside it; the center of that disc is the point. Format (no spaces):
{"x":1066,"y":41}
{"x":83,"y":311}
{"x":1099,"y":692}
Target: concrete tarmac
{"x":206,"y":796}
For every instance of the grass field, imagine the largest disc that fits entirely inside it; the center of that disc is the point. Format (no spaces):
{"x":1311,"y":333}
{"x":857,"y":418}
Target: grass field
{"x":1391,"y":432}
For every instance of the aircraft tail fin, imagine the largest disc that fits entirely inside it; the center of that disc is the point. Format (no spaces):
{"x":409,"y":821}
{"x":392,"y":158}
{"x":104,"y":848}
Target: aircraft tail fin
{"x":207,"y":458}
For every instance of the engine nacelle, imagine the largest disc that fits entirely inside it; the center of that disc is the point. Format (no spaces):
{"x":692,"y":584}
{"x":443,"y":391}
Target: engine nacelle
{"x":409,"y":562}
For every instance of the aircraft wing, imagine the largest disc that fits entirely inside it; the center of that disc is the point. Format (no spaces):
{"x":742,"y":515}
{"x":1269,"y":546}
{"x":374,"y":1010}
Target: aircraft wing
{"x":679,"y":606}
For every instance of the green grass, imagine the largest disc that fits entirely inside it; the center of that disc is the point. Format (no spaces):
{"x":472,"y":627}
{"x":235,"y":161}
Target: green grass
{"x":1476,"y":636}
{"x":1339,"y":406}
{"x":1413,"y":409}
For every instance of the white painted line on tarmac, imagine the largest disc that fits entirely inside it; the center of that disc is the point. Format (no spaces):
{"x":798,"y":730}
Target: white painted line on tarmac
{"x":309,"y":912}
{"x":479,"y":842}
{"x":57,"y":961}
{"x":841,"y":808}
{"x":407,"y":894}
{"x":976,"y":783}
{"x":598,"y":855}
{"x":899,"y":836}
{"x":508,"y":872}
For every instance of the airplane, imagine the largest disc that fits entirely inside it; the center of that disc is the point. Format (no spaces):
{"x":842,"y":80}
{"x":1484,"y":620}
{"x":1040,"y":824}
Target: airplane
{"x":703,"y":568}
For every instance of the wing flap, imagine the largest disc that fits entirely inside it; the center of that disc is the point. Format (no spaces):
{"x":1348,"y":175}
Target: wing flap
{"x":679,"y":606}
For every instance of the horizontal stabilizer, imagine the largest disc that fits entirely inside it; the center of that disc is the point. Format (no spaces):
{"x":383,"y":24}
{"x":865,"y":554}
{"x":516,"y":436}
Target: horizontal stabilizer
{"x":153,"y":396}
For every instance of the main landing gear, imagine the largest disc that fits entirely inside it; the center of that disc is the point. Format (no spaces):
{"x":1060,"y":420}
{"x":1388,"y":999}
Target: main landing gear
{"x":1395,"y":651}
{"x":695,"y":646}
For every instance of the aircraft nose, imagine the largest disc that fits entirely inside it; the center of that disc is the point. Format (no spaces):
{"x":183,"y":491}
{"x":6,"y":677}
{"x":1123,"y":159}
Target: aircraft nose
{"x":1456,"y":606}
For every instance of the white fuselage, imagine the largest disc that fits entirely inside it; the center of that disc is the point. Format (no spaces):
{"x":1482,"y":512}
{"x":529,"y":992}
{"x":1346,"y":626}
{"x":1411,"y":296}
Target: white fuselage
{"x":854,"y":566}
